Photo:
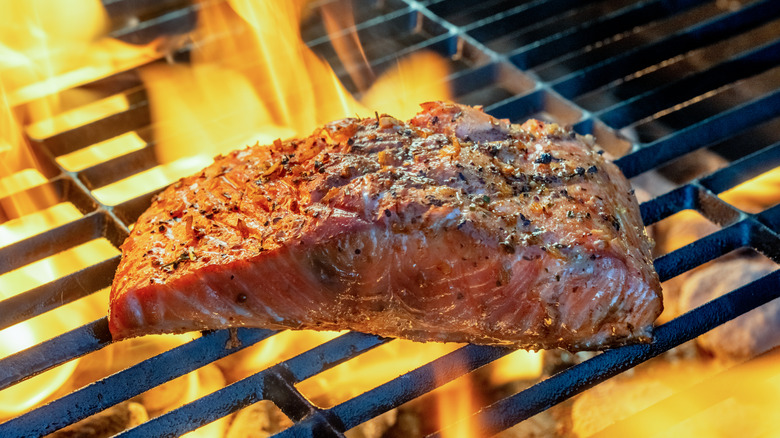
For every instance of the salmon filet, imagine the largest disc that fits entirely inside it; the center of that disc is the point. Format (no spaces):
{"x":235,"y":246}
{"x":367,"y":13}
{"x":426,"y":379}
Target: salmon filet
{"x":453,"y":226}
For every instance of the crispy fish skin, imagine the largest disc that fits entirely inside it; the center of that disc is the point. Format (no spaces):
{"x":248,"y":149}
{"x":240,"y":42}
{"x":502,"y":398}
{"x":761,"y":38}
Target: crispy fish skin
{"x":453,"y":226}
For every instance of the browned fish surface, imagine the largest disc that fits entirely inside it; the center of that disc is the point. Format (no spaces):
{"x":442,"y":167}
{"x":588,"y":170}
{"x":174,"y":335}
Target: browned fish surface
{"x":454,"y":226}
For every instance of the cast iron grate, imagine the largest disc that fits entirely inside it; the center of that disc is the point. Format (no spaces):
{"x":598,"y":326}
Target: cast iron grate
{"x":653,"y":80}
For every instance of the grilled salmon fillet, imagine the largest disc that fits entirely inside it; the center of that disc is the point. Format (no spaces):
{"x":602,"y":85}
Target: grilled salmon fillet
{"x":453,"y":226}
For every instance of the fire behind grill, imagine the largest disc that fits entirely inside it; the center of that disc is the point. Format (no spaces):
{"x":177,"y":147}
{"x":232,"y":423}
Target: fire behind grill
{"x":652,"y":80}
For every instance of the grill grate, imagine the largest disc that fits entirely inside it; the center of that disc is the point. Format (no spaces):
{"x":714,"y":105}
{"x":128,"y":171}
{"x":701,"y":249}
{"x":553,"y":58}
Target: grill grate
{"x":674,"y":76}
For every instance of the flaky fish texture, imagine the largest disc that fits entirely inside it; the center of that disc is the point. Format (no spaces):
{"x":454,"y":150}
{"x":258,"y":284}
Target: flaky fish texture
{"x":453,"y":226}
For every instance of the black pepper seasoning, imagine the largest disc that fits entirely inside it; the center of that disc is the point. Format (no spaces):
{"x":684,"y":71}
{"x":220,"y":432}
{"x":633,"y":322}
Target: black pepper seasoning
{"x":545,"y":158}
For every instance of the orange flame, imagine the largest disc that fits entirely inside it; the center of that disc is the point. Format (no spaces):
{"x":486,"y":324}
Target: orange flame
{"x":689,"y":398}
{"x":340,"y":24}
{"x":41,"y":54}
{"x":455,"y":403}
{"x":519,"y":365}
{"x":370,"y":370}
{"x":252,"y":79}
{"x":755,"y":194}
{"x":39,"y":42}
{"x":458,"y":400}
{"x":19,"y":169}
{"x":413,"y":80}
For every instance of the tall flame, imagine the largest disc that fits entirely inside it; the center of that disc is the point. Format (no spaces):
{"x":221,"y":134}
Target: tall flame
{"x":413,"y":80}
{"x":18,"y":167}
{"x":252,"y":79}
{"x":41,"y":54}
{"x":340,"y":24}
{"x":455,"y":405}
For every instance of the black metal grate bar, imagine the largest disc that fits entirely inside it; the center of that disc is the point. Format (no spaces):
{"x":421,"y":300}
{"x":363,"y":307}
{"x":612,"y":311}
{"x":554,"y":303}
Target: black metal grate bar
{"x":709,"y":248}
{"x":705,"y":33}
{"x":739,"y":67}
{"x":131,"y":382}
{"x":576,"y":37}
{"x":51,"y":242}
{"x":57,"y":293}
{"x":263,"y":385}
{"x":141,"y":22}
{"x":743,"y":169}
{"x":135,"y":117}
{"x":400,"y":390}
{"x":545,"y":394}
{"x":46,"y":355}
{"x":701,"y":134}
{"x":691,"y":75}
{"x":771,"y":218}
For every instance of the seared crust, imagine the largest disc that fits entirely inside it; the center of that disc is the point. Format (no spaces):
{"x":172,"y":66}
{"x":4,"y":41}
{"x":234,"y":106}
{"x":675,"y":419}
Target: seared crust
{"x":454,"y":226}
